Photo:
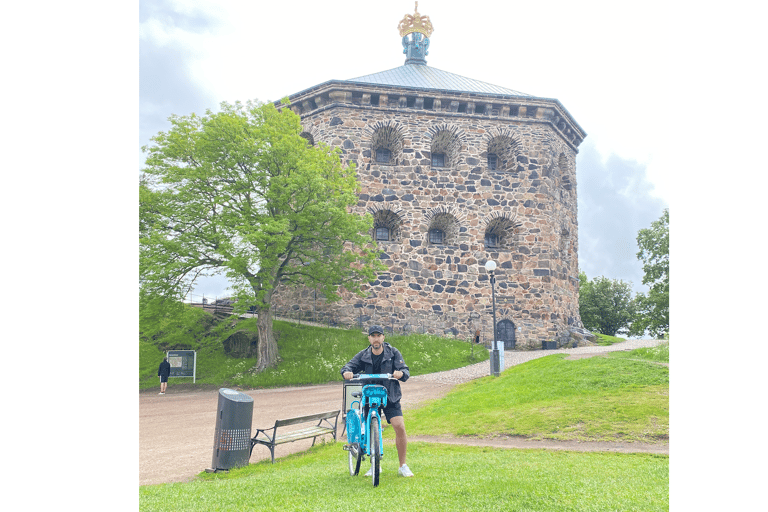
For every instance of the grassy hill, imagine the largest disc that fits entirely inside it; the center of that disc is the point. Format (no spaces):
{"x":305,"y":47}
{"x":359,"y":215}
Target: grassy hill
{"x":622,"y":397}
{"x":308,"y":354}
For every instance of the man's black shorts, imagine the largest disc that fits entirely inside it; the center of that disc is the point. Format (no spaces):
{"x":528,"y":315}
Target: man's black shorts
{"x":163,"y":378}
{"x":392,"y":410}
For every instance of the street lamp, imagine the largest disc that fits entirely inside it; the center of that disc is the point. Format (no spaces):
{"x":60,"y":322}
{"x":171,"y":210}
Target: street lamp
{"x":490,"y":266}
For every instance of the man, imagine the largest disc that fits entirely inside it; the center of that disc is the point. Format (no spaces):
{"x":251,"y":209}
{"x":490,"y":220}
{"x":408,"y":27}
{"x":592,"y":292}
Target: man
{"x":164,"y":371}
{"x":381,"y":357}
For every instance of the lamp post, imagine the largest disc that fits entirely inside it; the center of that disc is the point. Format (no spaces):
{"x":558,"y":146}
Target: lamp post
{"x":490,"y":266}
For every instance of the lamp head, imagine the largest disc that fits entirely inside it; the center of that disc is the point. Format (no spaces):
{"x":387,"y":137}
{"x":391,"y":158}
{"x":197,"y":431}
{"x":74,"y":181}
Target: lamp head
{"x":490,"y":265}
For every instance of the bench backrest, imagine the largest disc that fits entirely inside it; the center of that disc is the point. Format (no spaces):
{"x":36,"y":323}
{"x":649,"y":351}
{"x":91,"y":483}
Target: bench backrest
{"x":306,"y":419}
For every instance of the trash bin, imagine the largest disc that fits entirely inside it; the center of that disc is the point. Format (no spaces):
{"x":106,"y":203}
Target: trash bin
{"x":232,"y":440}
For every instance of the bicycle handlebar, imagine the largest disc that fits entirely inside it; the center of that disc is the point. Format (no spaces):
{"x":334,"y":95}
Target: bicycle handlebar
{"x":372,"y":376}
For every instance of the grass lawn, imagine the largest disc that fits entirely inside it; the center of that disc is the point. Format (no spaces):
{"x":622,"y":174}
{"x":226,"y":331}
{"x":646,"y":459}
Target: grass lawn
{"x":447,"y":478}
{"x":621,"y":397}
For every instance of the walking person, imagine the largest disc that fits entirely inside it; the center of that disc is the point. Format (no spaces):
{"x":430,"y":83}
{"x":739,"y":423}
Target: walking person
{"x":164,"y":371}
{"x":381,"y":357}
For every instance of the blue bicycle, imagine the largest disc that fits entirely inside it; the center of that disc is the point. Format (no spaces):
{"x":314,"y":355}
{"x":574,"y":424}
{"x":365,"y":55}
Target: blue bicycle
{"x":364,"y":424}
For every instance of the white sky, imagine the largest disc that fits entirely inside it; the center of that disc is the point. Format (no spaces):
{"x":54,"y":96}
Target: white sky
{"x":595,"y":57}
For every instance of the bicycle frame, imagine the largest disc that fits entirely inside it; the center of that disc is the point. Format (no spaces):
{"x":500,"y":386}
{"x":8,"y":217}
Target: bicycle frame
{"x":373,"y":396}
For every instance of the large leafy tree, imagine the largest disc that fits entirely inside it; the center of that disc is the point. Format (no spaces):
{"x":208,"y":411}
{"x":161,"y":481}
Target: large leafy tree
{"x":240,"y":191}
{"x":653,"y":308}
{"x":606,"y":305}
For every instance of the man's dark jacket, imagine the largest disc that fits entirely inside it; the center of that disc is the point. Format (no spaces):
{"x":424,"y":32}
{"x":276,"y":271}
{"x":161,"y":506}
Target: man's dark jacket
{"x":392,"y":360}
{"x":164,"y":370}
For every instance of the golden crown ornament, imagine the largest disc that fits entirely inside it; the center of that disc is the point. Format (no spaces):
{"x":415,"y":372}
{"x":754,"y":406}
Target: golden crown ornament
{"x":415,"y":23}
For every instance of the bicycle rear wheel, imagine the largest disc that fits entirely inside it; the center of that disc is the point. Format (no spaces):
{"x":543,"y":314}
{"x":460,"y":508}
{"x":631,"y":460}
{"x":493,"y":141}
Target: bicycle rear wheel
{"x":355,"y":456}
{"x":375,"y":450}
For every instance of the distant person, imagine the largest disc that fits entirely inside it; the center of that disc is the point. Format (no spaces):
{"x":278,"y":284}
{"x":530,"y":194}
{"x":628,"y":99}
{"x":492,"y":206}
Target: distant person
{"x":382,"y":357}
{"x":164,"y":371}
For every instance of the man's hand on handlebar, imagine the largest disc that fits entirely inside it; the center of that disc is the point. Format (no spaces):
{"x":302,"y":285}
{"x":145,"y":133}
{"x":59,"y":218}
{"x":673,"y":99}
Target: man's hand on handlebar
{"x":348,"y":375}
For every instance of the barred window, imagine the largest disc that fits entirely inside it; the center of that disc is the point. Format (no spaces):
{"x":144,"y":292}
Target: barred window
{"x":491,"y":240}
{"x":492,"y":161}
{"x":383,"y":155}
{"x":436,"y":237}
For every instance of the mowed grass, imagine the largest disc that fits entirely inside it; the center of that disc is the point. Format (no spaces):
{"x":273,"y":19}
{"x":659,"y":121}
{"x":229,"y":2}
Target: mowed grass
{"x":623,"y":397}
{"x":447,"y":478}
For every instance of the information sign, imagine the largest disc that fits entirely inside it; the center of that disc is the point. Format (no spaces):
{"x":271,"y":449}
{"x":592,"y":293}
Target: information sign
{"x":183,"y":363}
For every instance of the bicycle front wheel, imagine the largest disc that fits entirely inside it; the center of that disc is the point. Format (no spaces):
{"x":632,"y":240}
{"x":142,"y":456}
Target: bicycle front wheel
{"x":355,"y":456}
{"x":375,"y":450}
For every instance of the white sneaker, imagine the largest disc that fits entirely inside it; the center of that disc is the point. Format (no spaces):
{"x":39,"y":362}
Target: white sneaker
{"x":370,"y":471}
{"x":405,"y":470}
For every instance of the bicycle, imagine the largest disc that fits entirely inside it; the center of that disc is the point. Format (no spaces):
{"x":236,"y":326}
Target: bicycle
{"x":364,"y":424}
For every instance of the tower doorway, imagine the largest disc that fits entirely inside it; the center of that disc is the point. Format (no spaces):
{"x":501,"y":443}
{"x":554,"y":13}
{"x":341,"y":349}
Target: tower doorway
{"x":506,"y":331}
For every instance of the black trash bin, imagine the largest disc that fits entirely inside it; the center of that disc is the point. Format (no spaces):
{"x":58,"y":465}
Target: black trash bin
{"x":232,"y":440}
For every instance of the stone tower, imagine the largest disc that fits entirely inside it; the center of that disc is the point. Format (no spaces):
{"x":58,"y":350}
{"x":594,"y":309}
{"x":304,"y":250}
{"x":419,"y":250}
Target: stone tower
{"x":455,"y":172}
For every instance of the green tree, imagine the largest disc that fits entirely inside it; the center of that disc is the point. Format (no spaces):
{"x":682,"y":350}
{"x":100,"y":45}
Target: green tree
{"x":653,"y":308}
{"x":606,"y":305}
{"x":240,"y":191}
{"x":171,"y":324}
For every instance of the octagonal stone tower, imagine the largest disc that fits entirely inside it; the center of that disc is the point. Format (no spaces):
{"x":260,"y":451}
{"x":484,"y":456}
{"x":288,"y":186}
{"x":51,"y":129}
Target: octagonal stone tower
{"x":455,"y":172}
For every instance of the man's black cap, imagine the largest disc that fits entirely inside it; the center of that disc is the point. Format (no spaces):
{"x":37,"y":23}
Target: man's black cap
{"x":374,"y":329}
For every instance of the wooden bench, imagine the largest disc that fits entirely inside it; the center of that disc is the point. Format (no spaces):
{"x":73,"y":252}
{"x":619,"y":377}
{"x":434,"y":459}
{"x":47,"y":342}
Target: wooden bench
{"x":324,"y":426}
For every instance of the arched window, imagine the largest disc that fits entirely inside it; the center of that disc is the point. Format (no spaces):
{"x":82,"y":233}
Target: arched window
{"x":445,"y":146}
{"x":386,"y":143}
{"x":491,"y":240}
{"x":386,"y":225}
{"x":436,"y":237}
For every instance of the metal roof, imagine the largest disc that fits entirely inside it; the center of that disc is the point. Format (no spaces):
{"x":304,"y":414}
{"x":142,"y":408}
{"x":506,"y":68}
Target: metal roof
{"x":425,"y":77}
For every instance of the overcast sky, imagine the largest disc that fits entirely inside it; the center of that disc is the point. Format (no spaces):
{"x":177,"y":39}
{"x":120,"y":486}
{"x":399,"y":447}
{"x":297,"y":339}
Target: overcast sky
{"x":595,"y":57}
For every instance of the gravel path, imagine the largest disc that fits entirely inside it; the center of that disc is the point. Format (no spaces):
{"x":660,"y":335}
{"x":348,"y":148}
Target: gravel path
{"x":513,"y":358}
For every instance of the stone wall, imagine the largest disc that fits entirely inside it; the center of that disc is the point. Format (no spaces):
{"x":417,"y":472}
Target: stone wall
{"x":527,"y":206}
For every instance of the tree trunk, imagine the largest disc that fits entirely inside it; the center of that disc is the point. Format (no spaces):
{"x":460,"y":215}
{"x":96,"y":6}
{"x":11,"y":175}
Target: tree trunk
{"x":267,"y":348}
